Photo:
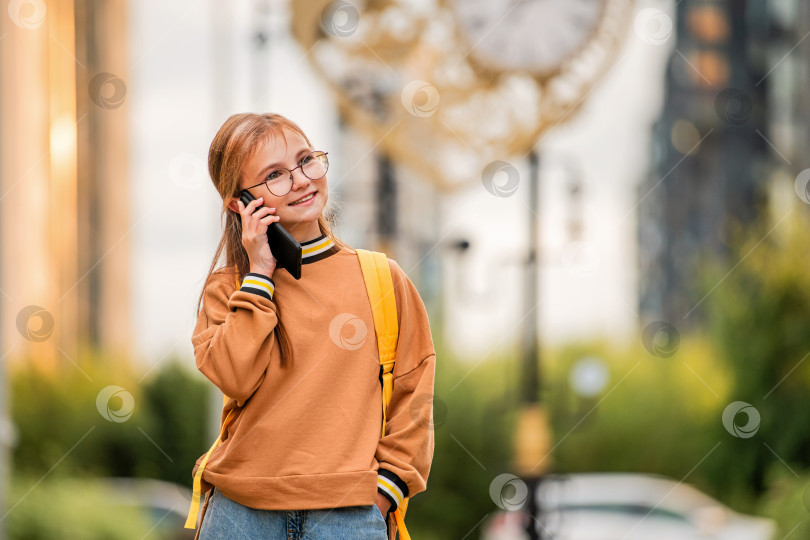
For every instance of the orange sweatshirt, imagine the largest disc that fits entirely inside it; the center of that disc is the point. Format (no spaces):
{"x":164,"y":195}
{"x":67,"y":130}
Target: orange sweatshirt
{"x":308,"y":437}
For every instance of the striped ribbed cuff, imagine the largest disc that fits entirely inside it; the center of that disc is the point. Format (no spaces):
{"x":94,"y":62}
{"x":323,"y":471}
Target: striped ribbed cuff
{"x":258,"y":284}
{"x":394,"y":489}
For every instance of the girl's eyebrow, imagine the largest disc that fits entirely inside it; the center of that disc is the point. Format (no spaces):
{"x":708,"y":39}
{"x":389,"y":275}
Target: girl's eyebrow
{"x":302,"y":151}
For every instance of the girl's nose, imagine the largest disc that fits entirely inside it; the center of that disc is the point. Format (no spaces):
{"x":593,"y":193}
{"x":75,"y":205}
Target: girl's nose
{"x":299,"y":179}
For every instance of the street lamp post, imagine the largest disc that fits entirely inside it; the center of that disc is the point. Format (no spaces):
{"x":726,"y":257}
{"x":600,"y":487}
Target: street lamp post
{"x":533,"y":434}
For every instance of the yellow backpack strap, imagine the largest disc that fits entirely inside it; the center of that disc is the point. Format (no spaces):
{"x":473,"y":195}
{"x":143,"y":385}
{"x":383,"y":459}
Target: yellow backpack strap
{"x":380,"y":288}
{"x":399,"y":516}
{"x":191,"y":520}
{"x":194,"y":510}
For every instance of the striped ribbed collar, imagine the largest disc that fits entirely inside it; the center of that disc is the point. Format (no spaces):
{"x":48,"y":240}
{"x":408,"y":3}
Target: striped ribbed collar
{"x":317,"y":249}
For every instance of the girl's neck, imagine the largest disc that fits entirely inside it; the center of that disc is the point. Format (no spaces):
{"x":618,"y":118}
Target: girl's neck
{"x":304,"y":232}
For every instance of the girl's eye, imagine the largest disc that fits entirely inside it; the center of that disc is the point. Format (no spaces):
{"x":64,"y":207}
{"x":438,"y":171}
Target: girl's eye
{"x":273,"y":175}
{"x":307,"y":159}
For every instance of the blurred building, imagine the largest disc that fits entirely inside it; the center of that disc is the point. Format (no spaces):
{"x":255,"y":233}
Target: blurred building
{"x":64,"y":172}
{"x":717,"y":142}
{"x":789,"y":104}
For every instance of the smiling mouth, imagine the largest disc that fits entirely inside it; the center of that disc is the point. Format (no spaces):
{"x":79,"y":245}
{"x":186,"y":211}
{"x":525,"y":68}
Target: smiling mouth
{"x":304,"y":199}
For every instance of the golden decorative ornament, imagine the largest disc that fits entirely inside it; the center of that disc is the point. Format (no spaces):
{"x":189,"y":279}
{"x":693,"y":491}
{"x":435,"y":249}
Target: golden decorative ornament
{"x":448,"y":88}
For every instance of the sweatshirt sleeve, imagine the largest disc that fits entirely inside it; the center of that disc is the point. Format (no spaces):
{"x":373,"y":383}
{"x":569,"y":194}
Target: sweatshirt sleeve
{"x":406,"y":451}
{"x":234,"y":334}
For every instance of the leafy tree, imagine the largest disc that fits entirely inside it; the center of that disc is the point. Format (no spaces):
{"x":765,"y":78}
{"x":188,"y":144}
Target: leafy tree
{"x":758,"y":315}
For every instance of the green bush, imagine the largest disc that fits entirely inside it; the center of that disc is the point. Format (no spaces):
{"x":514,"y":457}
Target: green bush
{"x":472,"y":426}
{"x":787,"y":501}
{"x":58,"y":419}
{"x":653,"y":415}
{"x":59,"y":507}
{"x":758,"y":315}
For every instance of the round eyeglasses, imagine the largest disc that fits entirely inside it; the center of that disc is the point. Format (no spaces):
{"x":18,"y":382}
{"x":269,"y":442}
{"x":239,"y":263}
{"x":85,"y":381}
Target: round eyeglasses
{"x":280,"y":180}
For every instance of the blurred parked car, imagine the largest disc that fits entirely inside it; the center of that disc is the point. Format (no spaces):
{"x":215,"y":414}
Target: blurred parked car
{"x":165,"y":504}
{"x":625,"y":506}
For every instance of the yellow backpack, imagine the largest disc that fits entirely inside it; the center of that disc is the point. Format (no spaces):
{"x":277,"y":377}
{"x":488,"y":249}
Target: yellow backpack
{"x":380,"y":288}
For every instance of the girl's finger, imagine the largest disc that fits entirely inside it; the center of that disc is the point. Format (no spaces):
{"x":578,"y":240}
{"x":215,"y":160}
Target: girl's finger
{"x":257,"y":216}
{"x":251,"y":205}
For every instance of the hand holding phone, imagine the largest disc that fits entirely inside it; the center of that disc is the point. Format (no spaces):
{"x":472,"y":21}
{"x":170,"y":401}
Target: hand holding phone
{"x":255,"y":220}
{"x":284,"y":248}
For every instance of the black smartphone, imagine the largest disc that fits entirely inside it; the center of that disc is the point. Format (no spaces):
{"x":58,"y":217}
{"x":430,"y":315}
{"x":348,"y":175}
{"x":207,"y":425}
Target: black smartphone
{"x":285,"y":248}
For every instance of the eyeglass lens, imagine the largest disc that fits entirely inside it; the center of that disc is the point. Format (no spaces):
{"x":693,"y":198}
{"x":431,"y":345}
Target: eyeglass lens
{"x":280,"y":180}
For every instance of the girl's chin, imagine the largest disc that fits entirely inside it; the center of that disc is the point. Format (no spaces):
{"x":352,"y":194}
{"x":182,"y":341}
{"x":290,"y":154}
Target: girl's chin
{"x":300,"y":221}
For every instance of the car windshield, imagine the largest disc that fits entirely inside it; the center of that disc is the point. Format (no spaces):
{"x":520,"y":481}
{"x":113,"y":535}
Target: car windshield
{"x":629,"y":509}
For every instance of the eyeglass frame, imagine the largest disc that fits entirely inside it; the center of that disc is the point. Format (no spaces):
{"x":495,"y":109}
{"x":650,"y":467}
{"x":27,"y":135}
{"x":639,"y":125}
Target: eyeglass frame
{"x":292,"y":180}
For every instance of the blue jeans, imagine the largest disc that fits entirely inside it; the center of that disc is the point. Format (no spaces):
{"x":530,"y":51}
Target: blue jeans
{"x":227,"y":519}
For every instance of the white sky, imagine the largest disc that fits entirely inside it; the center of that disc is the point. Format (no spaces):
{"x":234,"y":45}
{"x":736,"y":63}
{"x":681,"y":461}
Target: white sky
{"x":180,"y":92}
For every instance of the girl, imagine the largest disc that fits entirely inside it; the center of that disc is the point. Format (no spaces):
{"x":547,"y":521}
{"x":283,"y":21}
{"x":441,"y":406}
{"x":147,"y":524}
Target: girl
{"x":302,"y":457}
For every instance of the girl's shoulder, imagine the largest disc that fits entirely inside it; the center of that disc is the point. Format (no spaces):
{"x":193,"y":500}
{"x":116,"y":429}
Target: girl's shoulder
{"x":399,"y":276}
{"x":391,"y":262}
{"x":224,"y":275}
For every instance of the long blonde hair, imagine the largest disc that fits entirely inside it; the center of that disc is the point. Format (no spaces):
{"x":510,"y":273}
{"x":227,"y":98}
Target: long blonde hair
{"x":233,"y":144}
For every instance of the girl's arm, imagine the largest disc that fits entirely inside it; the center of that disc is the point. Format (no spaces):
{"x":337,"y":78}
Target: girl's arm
{"x":406,"y":452}
{"x":235,"y":333}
